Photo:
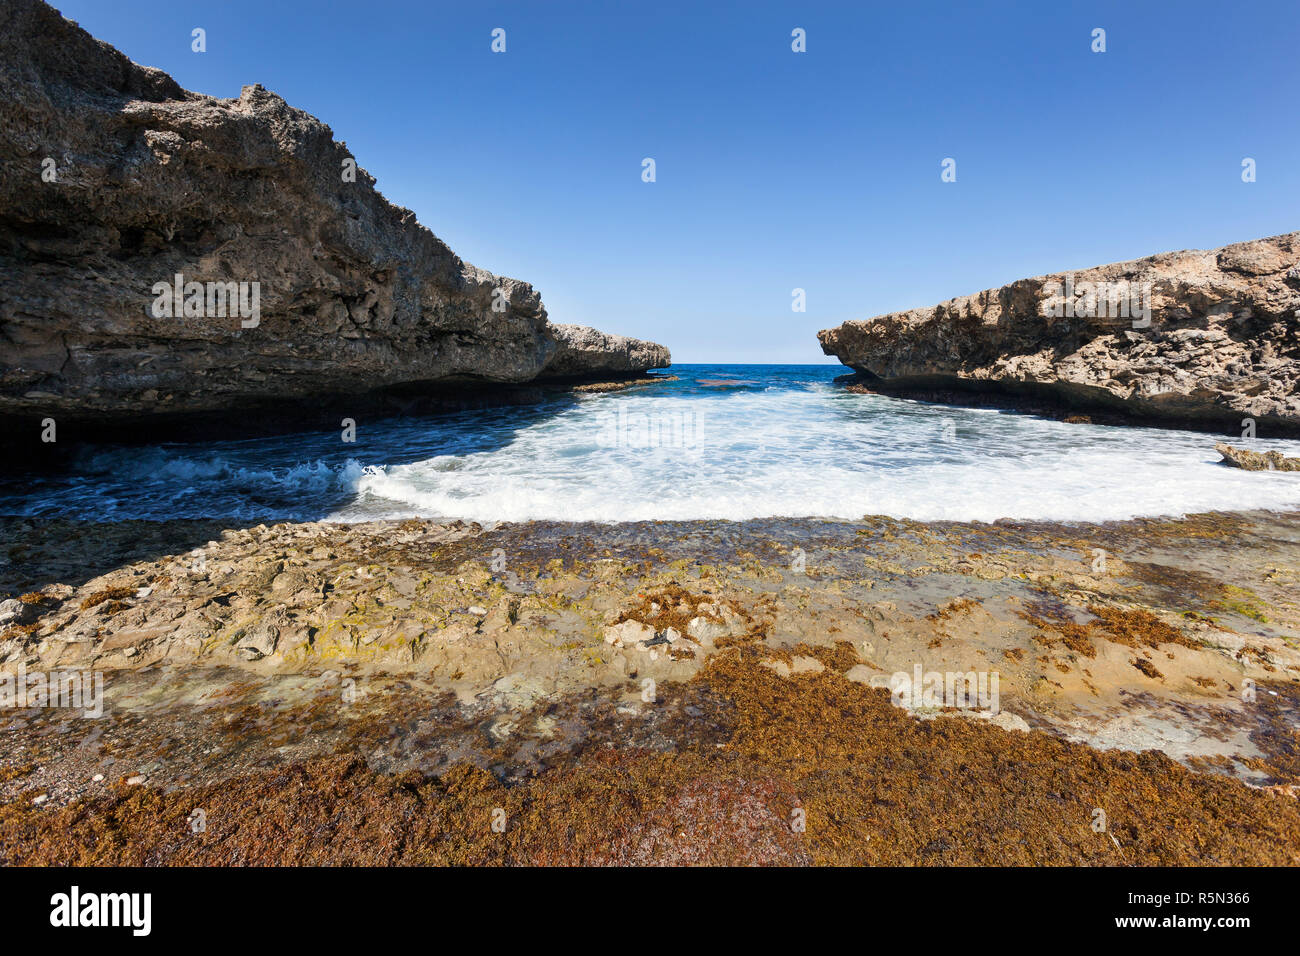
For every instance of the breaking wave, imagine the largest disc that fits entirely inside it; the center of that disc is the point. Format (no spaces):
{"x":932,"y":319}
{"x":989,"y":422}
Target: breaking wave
{"x":724,"y":442}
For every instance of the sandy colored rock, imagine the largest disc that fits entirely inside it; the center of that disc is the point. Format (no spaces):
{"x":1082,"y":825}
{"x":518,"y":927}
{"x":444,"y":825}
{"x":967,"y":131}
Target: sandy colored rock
{"x":584,"y":352}
{"x":799,"y":664}
{"x":1009,"y":721}
{"x":661,"y":752}
{"x":1223,"y":342}
{"x":628,"y":634}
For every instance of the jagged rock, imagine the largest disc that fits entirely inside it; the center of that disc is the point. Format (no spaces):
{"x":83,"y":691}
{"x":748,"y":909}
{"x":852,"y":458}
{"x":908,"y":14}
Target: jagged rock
{"x":629,"y":634}
{"x":587,"y":352}
{"x":1222,"y":343}
{"x":14,"y":611}
{"x":151,"y":181}
{"x":1255,"y":461}
{"x":262,"y":638}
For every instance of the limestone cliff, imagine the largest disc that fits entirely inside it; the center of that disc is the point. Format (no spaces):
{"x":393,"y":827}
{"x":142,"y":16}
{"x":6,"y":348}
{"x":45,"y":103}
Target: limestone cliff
{"x":1185,"y":338}
{"x":585,"y":352}
{"x":297,"y":279}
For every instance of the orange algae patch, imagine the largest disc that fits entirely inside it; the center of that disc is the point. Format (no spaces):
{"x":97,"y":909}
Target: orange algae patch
{"x":1132,"y":627}
{"x":1138,"y":628}
{"x":668,"y":606}
{"x":107,"y":594}
{"x":813,"y":770}
{"x":952,"y":608}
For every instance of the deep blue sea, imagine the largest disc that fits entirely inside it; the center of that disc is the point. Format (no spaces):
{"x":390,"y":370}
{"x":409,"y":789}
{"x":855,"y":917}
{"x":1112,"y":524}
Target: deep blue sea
{"x":724,"y":441}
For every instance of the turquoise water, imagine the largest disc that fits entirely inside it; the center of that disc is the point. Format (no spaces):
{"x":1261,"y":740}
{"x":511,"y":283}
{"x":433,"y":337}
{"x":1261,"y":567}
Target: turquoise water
{"x":725,"y":441}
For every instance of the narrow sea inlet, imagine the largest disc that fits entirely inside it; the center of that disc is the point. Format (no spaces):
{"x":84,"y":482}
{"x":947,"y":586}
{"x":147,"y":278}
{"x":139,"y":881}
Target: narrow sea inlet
{"x":717,"y":442}
{"x":868,"y":522}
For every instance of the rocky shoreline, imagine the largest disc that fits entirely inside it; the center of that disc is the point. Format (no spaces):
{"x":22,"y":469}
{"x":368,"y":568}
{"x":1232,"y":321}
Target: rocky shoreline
{"x":779,"y":691}
{"x":645,"y":676}
{"x":1192,"y":339}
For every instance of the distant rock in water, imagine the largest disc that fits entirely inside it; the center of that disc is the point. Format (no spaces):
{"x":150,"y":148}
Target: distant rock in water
{"x":584,"y":352}
{"x":1254,"y":461}
{"x":165,"y":254}
{"x":1192,"y":339}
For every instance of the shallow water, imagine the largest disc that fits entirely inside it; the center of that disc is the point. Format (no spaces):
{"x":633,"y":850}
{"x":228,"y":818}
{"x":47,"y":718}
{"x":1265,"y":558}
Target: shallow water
{"x":780,"y":441}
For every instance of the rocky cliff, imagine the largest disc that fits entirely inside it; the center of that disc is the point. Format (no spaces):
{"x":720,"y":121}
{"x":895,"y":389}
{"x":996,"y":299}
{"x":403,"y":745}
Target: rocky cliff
{"x":585,"y":352}
{"x":1194,"y":338}
{"x":163,"y":252}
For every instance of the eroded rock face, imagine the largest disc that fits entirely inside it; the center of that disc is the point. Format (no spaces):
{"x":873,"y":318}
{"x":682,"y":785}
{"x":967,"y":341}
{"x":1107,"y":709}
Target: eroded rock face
{"x":144,"y":181}
{"x":1221,"y":343}
{"x":585,"y":352}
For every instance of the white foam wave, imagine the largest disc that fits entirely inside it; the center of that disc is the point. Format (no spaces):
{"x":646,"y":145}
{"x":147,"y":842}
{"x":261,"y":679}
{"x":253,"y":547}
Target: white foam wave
{"x":806,"y":449}
{"x":811,"y":453}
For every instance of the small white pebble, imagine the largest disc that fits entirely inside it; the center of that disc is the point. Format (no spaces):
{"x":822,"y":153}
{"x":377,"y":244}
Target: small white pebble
{"x":135,"y":781}
{"x":97,"y":778}
{"x":41,"y":799}
{"x":477,"y":610}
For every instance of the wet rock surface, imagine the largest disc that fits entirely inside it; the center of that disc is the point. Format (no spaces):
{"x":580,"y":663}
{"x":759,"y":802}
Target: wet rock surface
{"x":1222,"y":340}
{"x":1256,"y":461}
{"x":674,"y":691}
{"x":737,"y":766}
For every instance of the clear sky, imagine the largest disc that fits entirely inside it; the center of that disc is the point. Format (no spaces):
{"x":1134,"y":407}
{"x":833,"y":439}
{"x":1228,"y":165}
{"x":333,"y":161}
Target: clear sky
{"x":775,"y":169}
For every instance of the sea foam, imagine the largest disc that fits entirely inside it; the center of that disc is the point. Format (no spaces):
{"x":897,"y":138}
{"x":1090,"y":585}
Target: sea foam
{"x":788,"y":443}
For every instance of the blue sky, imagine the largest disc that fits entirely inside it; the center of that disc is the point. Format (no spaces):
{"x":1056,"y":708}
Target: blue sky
{"x":775,"y":170}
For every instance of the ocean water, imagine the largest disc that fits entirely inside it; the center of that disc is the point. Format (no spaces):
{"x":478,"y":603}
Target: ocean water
{"x":730,"y":442}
